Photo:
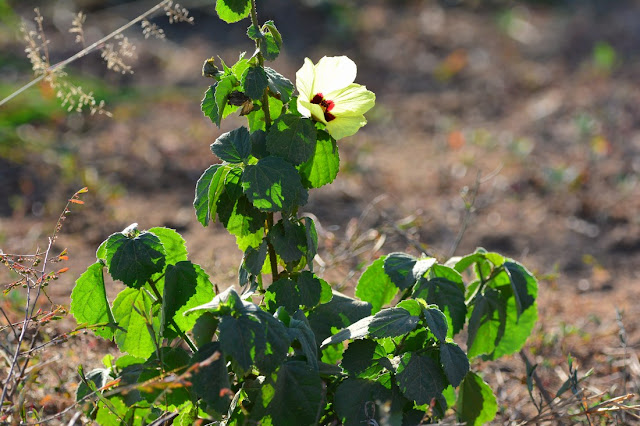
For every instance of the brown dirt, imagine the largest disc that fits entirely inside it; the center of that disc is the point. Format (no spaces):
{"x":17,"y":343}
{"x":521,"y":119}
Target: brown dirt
{"x":507,"y":96}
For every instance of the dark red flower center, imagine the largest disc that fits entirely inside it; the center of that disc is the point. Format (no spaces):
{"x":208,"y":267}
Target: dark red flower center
{"x":325,"y":104}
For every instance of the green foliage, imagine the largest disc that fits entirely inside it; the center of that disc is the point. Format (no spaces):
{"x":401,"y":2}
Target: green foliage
{"x":292,"y":352}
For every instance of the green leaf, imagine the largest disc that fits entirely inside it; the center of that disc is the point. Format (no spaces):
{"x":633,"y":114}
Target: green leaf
{"x":209,"y":106}
{"x":223,"y":89}
{"x":293,"y":397}
{"x":243,"y":220}
{"x":303,"y":290}
{"x":392,"y":322}
{"x":300,"y":330}
{"x":205,"y":327}
{"x":201,"y":202}
{"x":312,"y":241}
{"x":323,"y":166}
{"x":289,"y":240}
{"x":271,"y":27}
{"x":254,"y":258}
{"x":89,"y":303}
{"x":375,"y":286}
{"x":134,"y":336}
{"x":273,"y":185}
{"x":233,"y":10}
{"x":254,"y":33}
{"x":256,"y":118}
{"x":362,"y":358}
{"x":279,"y":85}
{"x":338,"y":313}
{"x":269,"y":47}
{"x":111,"y":411}
{"x":188,"y":415}
{"x":233,"y":147}
{"x":240,"y":337}
{"x":404,"y":269}
{"x":255,"y":81}
{"x":495,"y":328}
{"x":476,"y":404}
{"x":276,"y":342}
{"x":211,"y":378}
{"x":455,"y":362}
{"x":259,"y":143}
{"x":293,"y":138}
{"x":357,"y":330}
{"x":134,"y":260}
{"x":420,"y":378}
{"x":358,"y":401}
{"x":436,"y":321}
{"x":523,"y":284}
{"x":186,"y":286}
{"x":173,"y":243}
{"x":449,"y":298}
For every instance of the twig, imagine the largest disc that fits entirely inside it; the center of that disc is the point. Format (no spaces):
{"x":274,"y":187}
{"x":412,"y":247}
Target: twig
{"x":98,"y":44}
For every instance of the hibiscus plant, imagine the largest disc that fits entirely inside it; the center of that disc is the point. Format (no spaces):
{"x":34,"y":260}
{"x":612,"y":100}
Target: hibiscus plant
{"x":280,"y":346}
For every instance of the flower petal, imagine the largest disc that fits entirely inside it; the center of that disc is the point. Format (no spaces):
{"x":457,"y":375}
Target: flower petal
{"x":344,"y":126}
{"x":353,"y":99}
{"x":333,"y":73}
{"x":304,"y":79}
{"x":314,"y":110}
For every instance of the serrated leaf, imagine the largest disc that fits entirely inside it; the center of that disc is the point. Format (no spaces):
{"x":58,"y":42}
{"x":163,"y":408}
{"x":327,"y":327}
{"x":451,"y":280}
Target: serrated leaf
{"x":210,"y":379}
{"x":404,"y":269}
{"x":273,"y":185}
{"x":233,"y":147}
{"x":171,"y":359}
{"x":133,"y":336}
{"x":357,"y":330}
{"x":279,"y":85}
{"x":111,"y":411}
{"x":353,"y":401}
{"x":449,"y":298}
{"x":289,"y":240}
{"x":436,"y":321}
{"x":259,"y":143}
{"x":392,"y":322}
{"x":293,"y":397}
{"x":254,"y":258}
{"x":302,"y":290}
{"x":271,"y":27}
{"x":323,"y":166}
{"x":361,"y":359}
{"x":254,"y":33}
{"x":224,"y":87}
{"x":340,"y":312}
{"x":269,"y":47}
{"x":256,"y":118}
{"x":255,"y":81}
{"x":243,"y":220}
{"x":186,"y":286}
{"x":134,"y":260}
{"x":89,"y":303}
{"x":523,"y":284}
{"x":233,"y":10}
{"x":300,"y":330}
{"x":209,"y":106}
{"x":375,"y":286}
{"x":476,"y":403}
{"x":293,"y":138}
{"x":173,"y":243}
{"x":312,"y":241}
{"x":201,"y":201}
{"x":495,"y":329}
{"x":239,"y":337}
{"x":455,"y":362}
{"x":420,"y":378}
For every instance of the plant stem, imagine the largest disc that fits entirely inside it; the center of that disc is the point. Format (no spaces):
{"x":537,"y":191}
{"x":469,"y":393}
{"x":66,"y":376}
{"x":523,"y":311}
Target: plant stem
{"x":181,"y":333}
{"x":272,"y":252}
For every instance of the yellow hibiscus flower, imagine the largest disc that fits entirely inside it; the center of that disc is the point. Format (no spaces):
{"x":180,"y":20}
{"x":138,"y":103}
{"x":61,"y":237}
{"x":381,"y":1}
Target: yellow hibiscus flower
{"x":328,"y":94}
